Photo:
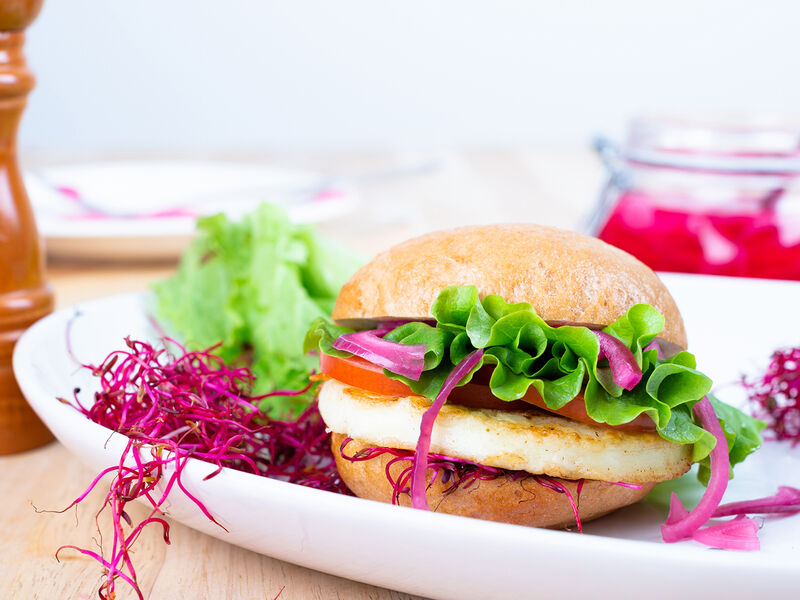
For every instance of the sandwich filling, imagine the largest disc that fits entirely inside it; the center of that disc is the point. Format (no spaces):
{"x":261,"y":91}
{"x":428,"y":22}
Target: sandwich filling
{"x":620,"y":374}
{"x":614,"y":377}
{"x":532,"y":441}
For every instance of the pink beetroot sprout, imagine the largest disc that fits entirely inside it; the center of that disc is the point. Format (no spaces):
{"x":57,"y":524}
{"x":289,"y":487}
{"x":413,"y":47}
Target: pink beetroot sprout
{"x":775,"y":396}
{"x":456,"y":472}
{"x":181,"y":405}
{"x":459,"y":473}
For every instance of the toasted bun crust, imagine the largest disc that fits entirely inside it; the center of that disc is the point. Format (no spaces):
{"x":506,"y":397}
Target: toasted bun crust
{"x":520,"y":502}
{"x":564,"y":275}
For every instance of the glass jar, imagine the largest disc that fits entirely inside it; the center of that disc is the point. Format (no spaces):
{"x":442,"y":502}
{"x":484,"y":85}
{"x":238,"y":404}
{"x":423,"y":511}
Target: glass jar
{"x":697,"y":197}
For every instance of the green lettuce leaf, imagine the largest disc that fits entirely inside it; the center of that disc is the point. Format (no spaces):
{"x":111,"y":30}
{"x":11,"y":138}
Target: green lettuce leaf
{"x":254,"y":287}
{"x":559,"y":362}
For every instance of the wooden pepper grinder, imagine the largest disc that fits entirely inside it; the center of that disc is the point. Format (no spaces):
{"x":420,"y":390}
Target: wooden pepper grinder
{"x":24,"y":295}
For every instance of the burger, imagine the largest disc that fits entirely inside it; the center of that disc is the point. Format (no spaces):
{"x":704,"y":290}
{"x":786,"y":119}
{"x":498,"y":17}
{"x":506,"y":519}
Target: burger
{"x":515,"y":373}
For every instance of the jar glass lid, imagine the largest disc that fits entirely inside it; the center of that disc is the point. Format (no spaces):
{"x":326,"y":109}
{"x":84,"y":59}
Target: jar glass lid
{"x":736,"y":143}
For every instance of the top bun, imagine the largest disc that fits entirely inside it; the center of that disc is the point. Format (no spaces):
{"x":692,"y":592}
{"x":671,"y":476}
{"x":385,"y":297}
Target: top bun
{"x":565,"y":276}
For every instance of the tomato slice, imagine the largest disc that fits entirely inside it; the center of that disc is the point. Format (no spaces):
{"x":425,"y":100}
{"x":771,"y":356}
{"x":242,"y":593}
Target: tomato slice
{"x":575,"y":409}
{"x":363,"y":374}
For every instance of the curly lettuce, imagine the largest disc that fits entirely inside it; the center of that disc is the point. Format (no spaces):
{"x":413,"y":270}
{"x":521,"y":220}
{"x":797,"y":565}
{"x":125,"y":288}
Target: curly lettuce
{"x":254,"y":286}
{"x":559,"y":362}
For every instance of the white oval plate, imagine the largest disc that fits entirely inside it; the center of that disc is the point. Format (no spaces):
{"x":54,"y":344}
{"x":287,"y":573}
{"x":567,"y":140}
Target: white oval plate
{"x":733,"y":324}
{"x":146,"y":210}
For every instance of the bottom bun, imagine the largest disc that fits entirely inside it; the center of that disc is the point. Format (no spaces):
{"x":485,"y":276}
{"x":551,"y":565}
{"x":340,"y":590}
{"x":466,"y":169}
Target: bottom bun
{"x":518,"y":501}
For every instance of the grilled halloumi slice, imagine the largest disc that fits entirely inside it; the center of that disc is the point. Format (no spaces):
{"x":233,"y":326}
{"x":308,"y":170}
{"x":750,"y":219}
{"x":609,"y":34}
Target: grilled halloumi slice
{"x":532,"y":441}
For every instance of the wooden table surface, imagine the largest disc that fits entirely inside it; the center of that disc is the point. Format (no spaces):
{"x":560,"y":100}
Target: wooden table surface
{"x":445,"y":189}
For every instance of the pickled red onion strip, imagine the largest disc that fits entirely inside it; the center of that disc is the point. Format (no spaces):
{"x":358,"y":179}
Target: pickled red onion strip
{"x":625,"y":369}
{"x":654,"y":345}
{"x":786,"y":500}
{"x":407,"y":360}
{"x":677,"y":512}
{"x":740,"y":533}
{"x":681,"y":527}
{"x":418,"y":497}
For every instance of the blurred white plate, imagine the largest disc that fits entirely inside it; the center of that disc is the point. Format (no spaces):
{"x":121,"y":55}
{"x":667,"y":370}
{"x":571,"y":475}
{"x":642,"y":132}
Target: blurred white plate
{"x":733,"y":324}
{"x":146,"y":210}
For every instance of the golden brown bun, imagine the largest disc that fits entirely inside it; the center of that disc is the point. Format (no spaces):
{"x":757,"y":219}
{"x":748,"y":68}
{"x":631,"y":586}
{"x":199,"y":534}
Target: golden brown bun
{"x":564,"y":275}
{"x":521,"y":502}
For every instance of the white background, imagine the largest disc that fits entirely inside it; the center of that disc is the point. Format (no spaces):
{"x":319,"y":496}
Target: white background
{"x":177,"y":74}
